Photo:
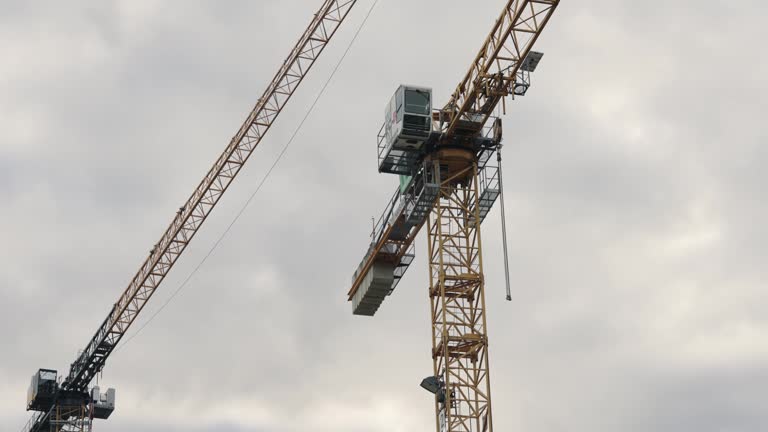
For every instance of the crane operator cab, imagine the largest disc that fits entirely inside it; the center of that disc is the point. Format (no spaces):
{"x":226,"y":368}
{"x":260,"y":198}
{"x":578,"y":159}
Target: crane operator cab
{"x":407,"y":126}
{"x":42,"y":390}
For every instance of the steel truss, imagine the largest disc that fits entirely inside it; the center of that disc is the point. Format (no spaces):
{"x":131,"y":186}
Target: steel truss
{"x":457,"y":297}
{"x":194,"y":212}
{"x":494,"y":70}
{"x":71,"y":418}
{"x":190,"y":217}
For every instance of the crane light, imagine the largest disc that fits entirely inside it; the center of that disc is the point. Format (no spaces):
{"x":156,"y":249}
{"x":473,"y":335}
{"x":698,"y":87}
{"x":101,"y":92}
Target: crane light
{"x":531,"y":61}
{"x":435,"y":386}
{"x":431,"y":384}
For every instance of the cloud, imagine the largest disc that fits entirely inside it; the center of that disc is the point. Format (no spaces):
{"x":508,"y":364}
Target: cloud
{"x":634,"y":176}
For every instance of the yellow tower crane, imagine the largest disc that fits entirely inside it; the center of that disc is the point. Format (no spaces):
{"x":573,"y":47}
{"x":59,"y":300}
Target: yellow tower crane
{"x":67,"y":404}
{"x":447,"y":181}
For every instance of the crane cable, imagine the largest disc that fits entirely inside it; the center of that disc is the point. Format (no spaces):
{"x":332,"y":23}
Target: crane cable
{"x":261,"y":183}
{"x":503,"y":225}
{"x":503,"y":216}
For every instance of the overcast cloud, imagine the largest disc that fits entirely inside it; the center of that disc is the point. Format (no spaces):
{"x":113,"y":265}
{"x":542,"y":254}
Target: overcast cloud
{"x":634,"y":175}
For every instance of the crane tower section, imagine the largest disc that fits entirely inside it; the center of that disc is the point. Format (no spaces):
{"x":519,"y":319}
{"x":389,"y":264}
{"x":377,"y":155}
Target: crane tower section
{"x":447,"y":183}
{"x":457,"y":296}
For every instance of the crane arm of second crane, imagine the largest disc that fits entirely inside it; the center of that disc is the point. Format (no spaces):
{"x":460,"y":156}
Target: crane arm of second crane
{"x":196,"y":209}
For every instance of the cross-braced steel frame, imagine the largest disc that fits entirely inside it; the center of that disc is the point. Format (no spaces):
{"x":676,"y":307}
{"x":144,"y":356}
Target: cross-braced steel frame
{"x":71,"y":418}
{"x":456,"y":291}
{"x":198,"y":206}
{"x":195,"y":211}
{"x":492,"y":74}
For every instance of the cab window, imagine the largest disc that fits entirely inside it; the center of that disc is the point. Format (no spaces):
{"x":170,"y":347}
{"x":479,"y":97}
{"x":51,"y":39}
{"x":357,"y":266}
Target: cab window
{"x":417,"y":102}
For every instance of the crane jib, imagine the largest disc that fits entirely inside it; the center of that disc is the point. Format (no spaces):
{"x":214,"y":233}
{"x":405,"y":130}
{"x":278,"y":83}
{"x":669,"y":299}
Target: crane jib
{"x":196,"y":209}
{"x":494,"y":70}
{"x":452,"y":197}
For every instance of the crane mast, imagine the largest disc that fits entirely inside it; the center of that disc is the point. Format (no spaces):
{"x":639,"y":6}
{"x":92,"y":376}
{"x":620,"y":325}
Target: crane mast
{"x":448,"y":184}
{"x":67,"y":405}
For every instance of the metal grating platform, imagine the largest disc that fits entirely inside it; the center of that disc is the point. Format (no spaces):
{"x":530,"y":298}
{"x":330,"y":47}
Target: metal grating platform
{"x":395,"y":161}
{"x":489,"y":191}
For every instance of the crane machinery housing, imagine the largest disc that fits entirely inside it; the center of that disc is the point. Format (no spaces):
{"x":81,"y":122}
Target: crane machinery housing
{"x":447,"y":182}
{"x":65,"y":404}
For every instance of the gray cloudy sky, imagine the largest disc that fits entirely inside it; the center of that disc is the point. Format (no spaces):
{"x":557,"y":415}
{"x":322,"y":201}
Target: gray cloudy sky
{"x":634,"y":170}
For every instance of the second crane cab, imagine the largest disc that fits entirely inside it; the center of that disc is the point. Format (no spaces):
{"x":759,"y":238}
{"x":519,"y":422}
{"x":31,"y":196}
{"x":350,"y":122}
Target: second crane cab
{"x":407,"y":126}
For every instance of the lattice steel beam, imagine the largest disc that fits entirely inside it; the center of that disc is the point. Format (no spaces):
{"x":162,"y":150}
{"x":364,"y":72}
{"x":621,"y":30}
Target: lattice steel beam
{"x":493,"y":72}
{"x":457,"y":298}
{"x":71,"y":418}
{"x":197,"y":208}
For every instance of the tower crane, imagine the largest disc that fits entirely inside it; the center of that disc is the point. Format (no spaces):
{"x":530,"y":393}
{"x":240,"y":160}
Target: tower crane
{"x":65,"y":404}
{"x":443,"y":158}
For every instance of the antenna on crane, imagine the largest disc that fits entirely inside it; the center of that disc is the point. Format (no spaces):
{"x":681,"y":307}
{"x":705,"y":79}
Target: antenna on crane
{"x":373,"y":227}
